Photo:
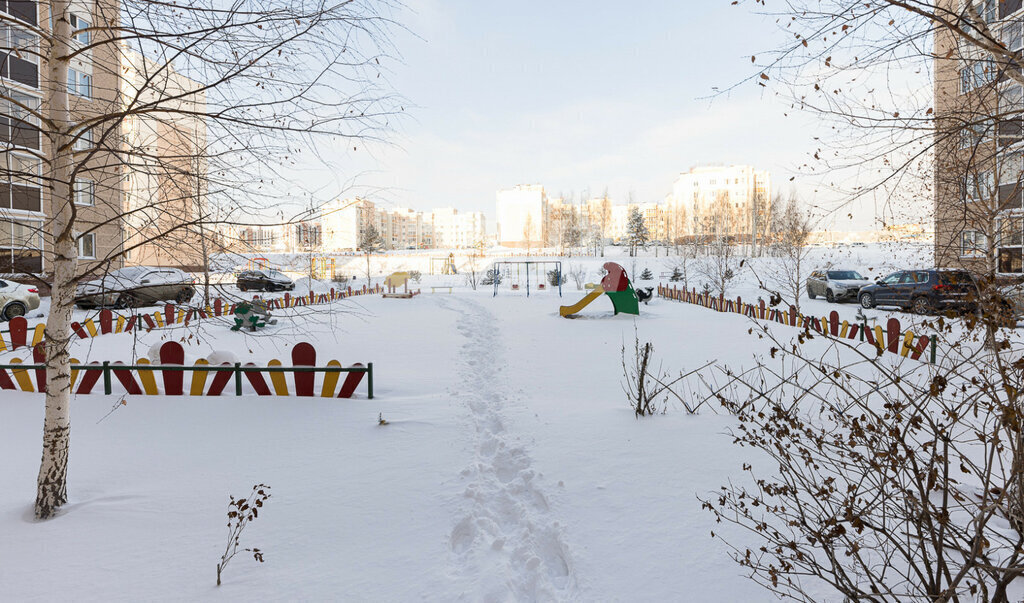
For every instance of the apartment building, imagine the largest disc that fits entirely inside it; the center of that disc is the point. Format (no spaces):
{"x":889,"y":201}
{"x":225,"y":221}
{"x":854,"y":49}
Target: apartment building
{"x":165,"y":166}
{"x":403,"y":228}
{"x":979,"y":167}
{"x":452,"y":229}
{"x":26,"y":206}
{"x":731,"y":201}
{"x":522,"y":216}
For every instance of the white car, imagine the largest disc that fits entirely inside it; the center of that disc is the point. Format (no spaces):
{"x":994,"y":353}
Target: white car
{"x":17,"y":299}
{"x":835,"y":285}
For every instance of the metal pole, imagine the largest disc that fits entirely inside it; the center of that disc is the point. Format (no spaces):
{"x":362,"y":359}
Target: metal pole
{"x":238,"y":379}
{"x":369,"y":380}
{"x":106,"y":377}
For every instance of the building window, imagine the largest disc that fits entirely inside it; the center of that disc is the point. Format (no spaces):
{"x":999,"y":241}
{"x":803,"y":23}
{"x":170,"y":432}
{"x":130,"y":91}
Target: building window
{"x":79,"y":83}
{"x":21,"y":244}
{"x":1011,"y":245}
{"x":84,"y":141}
{"x":85,"y":192}
{"x":19,"y":55}
{"x":19,"y":120}
{"x":987,"y":10}
{"x":87,"y":246}
{"x":976,"y":74}
{"x":1010,"y":103}
{"x":979,"y":187}
{"x":78,"y":23}
{"x":20,"y":9}
{"x":972,"y":244}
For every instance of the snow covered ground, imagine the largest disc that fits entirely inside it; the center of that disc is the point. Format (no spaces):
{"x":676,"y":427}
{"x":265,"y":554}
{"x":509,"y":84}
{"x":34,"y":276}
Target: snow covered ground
{"x":511,"y":467}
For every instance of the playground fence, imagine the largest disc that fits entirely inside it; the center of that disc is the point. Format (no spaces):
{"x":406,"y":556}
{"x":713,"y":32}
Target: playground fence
{"x":140,"y":378}
{"x":893,"y":339}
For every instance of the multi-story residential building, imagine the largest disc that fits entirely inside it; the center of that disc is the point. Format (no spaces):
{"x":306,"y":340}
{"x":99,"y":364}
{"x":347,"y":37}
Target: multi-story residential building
{"x":979,"y":167}
{"x":301,"y":236}
{"x":403,"y":228}
{"x":731,"y":201}
{"x":26,"y":207}
{"x":343,"y":221}
{"x":522,"y":216}
{"x":165,"y":177}
{"x":452,"y":229}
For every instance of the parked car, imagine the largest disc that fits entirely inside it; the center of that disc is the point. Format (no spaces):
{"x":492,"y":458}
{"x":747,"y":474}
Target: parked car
{"x":17,"y":299}
{"x":266,"y":279}
{"x":136,"y":286}
{"x":923,"y":291}
{"x":835,"y":285}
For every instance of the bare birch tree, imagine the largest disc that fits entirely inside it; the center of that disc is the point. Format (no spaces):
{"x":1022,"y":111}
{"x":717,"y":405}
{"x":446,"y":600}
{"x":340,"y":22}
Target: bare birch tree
{"x":272,"y":79}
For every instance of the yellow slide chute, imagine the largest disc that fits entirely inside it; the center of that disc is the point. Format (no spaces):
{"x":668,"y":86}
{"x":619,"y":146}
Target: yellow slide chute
{"x":575,"y":308}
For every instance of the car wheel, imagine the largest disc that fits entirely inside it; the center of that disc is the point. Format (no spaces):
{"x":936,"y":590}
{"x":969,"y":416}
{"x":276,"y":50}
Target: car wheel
{"x":867,"y":301}
{"x":830,"y":297}
{"x":242,"y":288}
{"x":14,"y":309}
{"x":127,"y":300}
{"x":810,"y":294}
{"x":921,"y":306}
{"x":184,"y":296}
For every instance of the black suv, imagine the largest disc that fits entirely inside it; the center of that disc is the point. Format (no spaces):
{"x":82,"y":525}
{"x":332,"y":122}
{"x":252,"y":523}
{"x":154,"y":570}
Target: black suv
{"x":266,"y":279}
{"x":923,"y":291}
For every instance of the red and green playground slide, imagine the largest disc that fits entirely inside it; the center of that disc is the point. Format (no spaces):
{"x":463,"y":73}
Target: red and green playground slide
{"x":616,"y":286}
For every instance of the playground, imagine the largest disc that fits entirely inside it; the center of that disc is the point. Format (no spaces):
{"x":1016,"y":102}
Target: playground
{"x":510,"y":466}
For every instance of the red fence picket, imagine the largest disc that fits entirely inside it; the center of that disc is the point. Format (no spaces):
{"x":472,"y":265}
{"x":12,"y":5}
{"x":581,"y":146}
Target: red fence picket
{"x":89,"y":378}
{"x":220,"y":379}
{"x":19,"y":331}
{"x":304,"y":354}
{"x":257,"y":381}
{"x":171,"y":352}
{"x":39,"y":357}
{"x":106,"y":321}
{"x":894,"y":335}
{"x":351,"y":382}
{"x":127,"y":379}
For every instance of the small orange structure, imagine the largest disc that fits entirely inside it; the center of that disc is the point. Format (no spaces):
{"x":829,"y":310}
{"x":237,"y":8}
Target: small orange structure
{"x":393,"y":281}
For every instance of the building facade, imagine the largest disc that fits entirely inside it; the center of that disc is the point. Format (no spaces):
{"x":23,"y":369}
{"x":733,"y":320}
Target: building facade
{"x":165,"y":168}
{"x":522,"y":216}
{"x":27,"y":207}
{"x":452,"y":229}
{"x":979,"y":168}
{"x":731,"y":201}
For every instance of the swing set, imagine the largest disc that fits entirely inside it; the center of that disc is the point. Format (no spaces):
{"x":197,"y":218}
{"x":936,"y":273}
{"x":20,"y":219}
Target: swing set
{"x":524,"y":267}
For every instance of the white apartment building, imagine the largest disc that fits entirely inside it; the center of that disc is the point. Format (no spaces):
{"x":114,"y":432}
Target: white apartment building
{"x":403,"y":228}
{"x":728,"y":200}
{"x":343,"y":221}
{"x":522,"y":216}
{"x":453,"y":230}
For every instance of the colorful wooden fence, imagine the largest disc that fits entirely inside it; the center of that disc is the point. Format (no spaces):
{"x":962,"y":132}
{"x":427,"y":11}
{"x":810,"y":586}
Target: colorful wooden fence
{"x":892,"y":339}
{"x":168,"y":376}
{"x":19,"y":335}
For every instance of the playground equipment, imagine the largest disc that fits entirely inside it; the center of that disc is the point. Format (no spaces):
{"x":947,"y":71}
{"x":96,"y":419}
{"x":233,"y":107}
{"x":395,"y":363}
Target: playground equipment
{"x":397,"y":279}
{"x":321,"y":267}
{"x":447,"y":265}
{"x":616,"y":286}
{"x":525,"y":265}
{"x":257,"y":263}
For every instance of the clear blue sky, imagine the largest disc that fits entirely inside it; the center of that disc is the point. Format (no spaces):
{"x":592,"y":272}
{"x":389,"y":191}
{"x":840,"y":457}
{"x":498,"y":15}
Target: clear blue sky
{"x":577,"y":96}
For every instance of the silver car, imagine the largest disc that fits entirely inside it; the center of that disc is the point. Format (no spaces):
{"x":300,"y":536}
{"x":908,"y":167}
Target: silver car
{"x":17,"y":299}
{"x":835,"y":285}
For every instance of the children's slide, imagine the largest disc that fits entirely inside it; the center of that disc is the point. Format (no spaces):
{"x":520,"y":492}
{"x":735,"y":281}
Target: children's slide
{"x":575,"y":308}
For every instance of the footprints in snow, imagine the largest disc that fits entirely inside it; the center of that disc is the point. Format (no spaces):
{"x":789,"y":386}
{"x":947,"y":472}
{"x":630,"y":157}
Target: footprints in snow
{"x":506,"y":543}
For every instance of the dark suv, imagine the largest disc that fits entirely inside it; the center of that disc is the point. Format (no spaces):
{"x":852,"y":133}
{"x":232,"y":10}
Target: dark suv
{"x":923,"y":291}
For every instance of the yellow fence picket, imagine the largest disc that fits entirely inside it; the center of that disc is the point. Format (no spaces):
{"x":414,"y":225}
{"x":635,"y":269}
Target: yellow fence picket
{"x":147,"y":378}
{"x":159,"y":316}
{"x":120,"y":324}
{"x":90,"y":326}
{"x":74,"y":373}
{"x":908,"y":344}
{"x":277,"y":378}
{"x":21,"y":376}
{"x":198,"y":379}
{"x":38,"y":333}
{"x":330,"y":381}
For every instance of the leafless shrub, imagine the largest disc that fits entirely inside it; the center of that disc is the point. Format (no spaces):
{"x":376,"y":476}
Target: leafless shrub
{"x":241,"y":511}
{"x":883,"y":481}
{"x":643,"y":384}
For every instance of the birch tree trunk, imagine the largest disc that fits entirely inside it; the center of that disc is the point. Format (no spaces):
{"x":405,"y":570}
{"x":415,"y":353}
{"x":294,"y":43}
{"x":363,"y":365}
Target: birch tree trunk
{"x":51,"y":491}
